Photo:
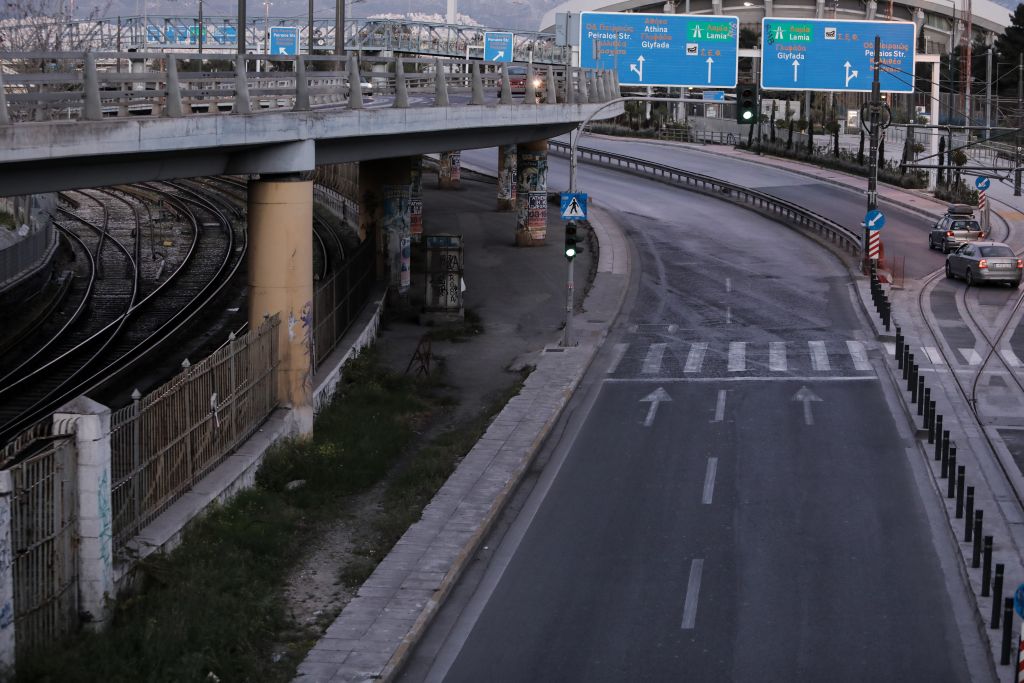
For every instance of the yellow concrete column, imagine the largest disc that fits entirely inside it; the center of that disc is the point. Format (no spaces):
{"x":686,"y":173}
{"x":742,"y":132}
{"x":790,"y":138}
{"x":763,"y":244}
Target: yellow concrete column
{"x":281,"y":281}
{"x":532,"y":194}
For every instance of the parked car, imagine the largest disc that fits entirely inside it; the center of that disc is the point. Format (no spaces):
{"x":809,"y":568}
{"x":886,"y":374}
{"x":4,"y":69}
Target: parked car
{"x":978,"y":262}
{"x":957,"y":227}
{"x":517,"y":79}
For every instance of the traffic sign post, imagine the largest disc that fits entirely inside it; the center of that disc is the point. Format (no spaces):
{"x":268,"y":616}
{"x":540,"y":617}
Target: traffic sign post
{"x":284,"y":40}
{"x":666,"y":50}
{"x":983,"y":183}
{"x":498,"y":46}
{"x":829,"y":54}
{"x":874,"y":220}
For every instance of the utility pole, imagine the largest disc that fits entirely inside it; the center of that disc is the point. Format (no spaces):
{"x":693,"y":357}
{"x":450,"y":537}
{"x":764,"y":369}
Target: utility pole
{"x":201,"y":28}
{"x":988,"y":93}
{"x":875,"y":106}
{"x":309,"y":32}
{"x":339,"y":27}
{"x":1020,"y":111}
{"x":241,"y":27}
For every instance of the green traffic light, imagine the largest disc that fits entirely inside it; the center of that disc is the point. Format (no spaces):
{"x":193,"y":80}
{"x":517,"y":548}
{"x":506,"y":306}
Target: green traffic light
{"x":570,"y":252}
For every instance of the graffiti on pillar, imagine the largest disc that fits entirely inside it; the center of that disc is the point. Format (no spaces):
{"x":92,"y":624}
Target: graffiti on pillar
{"x":307,"y":342}
{"x":6,"y":560}
{"x":103,"y":505}
{"x":416,"y":199}
{"x":396,"y":228}
{"x":456,"y":167}
{"x":537,"y":220}
{"x":507,"y":176}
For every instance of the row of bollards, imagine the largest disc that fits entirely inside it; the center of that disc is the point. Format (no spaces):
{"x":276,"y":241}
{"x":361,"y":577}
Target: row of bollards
{"x":955,"y":476}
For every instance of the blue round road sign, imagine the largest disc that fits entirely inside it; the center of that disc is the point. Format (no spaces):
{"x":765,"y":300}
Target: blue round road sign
{"x":1018,"y":601}
{"x":982,"y":183}
{"x":875,"y":220}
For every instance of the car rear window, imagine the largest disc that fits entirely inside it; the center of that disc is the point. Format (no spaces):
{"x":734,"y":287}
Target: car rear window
{"x":996,"y":250}
{"x":965,"y":225}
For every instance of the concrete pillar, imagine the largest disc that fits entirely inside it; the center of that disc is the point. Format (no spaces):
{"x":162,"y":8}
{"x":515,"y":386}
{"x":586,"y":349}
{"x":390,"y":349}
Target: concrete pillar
{"x":384,"y":202}
{"x":532,"y":194}
{"x":449,"y":171}
{"x":6,"y":573}
{"x":416,"y":198}
{"x":507,"y":176}
{"x":281,"y":281}
{"x":95,"y":518}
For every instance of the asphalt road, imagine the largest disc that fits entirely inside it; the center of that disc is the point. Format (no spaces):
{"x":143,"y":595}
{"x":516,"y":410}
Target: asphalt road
{"x":730,"y":499}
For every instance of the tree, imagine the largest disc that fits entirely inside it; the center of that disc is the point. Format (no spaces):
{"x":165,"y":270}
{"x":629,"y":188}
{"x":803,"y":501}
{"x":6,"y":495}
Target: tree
{"x":810,"y":137}
{"x":1010,"y":44}
{"x":789,"y":140}
{"x":860,"y":150}
{"x":47,"y":25}
{"x":773,"y":122}
{"x":942,"y":158}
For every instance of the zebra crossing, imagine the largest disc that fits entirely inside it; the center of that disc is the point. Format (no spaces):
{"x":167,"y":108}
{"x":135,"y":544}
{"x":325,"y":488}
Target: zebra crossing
{"x":740,"y":358}
{"x":962,"y":356}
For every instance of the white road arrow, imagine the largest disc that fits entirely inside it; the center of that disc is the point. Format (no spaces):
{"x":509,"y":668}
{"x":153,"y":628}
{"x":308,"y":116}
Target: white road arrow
{"x":710,"y":62}
{"x":498,"y":56}
{"x":654,"y":398}
{"x":850,"y":75}
{"x":807,"y":396}
{"x":796,"y":65}
{"x":639,"y":70}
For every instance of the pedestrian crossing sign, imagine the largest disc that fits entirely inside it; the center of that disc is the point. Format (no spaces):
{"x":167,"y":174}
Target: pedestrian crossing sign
{"x":574,"y":206}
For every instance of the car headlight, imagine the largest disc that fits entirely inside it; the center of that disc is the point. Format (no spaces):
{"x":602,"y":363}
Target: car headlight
{"x":537,"y":83}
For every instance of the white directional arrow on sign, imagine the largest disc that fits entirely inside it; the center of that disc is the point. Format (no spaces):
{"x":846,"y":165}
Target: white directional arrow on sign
{"x":654,"y":398}
{"x":710,"y":62}
{"x":796,"y":65}
{"x":639,"y":70}
{"x":873,"y":221}
{"x":282,"y":50}
{"x":807,"y":397}
{"x":498,"y":56}
{"x":850,"y":75}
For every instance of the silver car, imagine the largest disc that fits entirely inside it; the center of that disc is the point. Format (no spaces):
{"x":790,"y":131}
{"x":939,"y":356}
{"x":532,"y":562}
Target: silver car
{"x":978,"y":262}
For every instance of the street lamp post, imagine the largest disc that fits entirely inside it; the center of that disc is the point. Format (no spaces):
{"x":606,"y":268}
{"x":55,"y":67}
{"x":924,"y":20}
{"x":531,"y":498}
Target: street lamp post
{"x":201,"y":30}
{"x":339,"y":27}
{"x":240,"y":38}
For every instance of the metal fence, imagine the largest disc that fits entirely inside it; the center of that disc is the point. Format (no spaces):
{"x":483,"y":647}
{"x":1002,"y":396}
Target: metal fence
{"x":43,"y":520}
{"x":162,"y":444}
{"x":26,"y":253}
{"x":339,"y":299}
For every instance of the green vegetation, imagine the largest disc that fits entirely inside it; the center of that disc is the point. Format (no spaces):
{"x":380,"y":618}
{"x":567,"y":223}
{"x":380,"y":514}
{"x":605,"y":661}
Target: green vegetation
{"x":6,"y":220}
{"x":214,"y":609}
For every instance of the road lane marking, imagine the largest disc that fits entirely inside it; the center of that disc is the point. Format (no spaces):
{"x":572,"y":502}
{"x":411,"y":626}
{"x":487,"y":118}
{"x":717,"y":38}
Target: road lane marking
{"x":709,"y":481}
{"x":934,"y":355}
{"x":971,"y":356}
{"x":728,"y":284}
{"x":728,"y":315}
{"x":692,"y":595}
{"x":652,"y":363}
{"x":749,"y":378}
{"x":695,"y":358}
{"x":777,"y":356}
{"x":819,"y":356}
{"x":859,"y":353}
{"x":617,"y":354}
{"x":737,"y":356}
{"x":654,"y":398}
{"x":1011,"y":358}
{"x":720,"y":407}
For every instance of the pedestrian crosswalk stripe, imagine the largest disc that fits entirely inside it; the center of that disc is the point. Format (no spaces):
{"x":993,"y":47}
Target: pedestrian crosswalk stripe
{"x":971,"y":356}
{"x":737,"y":356}
{"x":695,"y":358}
{"x":859,"y":354}
{"x":1011,"y":358}
{"x":934,"y":355}
{"x":890,"y":349}
{"x":819,"y":357}
{"x":777,"y":356}
{"x":619,"y":352}
{"x":652,"y":363}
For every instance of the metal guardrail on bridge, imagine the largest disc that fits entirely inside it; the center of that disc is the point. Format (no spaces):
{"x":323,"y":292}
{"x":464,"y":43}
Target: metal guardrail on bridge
{"x":773,"y":207}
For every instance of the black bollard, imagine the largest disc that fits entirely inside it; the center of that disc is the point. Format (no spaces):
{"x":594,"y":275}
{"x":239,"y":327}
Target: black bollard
{"x":951,"y":485}
{"x":887,"y":313}
{"x":925,"y":409}
{"x":947,"y":457}
{"x":899,"y":346}
{"x":906,"y":362}
{"x":960,"y":491}
{"x":912,"y":378}
{"x":1004,"y":657}
{"x":976,"y":555}
{"x":969,"y":514}
{"x":986,"y":566}
{"x":920,"y":391}
{"x":941,"y":438}
{"x":997,"y":596}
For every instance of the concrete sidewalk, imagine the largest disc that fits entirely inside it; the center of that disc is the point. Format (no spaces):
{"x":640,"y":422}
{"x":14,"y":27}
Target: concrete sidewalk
{"x":519,"y":295}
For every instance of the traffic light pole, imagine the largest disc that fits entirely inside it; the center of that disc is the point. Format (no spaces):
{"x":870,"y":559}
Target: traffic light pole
{"x":1020,"y":112}
{"x":875,"y":105}
{"x":567,"y":338}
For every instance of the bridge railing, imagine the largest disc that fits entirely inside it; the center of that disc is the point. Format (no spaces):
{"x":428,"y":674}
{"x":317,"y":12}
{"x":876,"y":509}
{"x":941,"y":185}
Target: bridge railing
{"x":93,"y":86}
{"x":765,"y":204}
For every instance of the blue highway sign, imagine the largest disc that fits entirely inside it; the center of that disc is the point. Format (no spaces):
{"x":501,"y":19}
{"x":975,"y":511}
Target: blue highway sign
{"x":875,"y":220}
{"x":826,"y":54}
{"x":714,"y":95}
{"x":284,"y":40}
{"x":1018,"y":601}
{"x":669,"y":50}
{"x":574,"y":206}
{"x":497,"y":46}
{"x":982,"y":183}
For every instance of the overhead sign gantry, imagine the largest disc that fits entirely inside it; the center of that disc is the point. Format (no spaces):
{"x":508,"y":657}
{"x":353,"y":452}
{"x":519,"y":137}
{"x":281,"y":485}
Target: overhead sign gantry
{"x":667,"y":50}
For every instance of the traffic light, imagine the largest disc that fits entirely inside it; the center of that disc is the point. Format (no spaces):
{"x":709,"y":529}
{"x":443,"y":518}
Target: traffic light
{"x":571,"y":241}
{"x":746,"y":103}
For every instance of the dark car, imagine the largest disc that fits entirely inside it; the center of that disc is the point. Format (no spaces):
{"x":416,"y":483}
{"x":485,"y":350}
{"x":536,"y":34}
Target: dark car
{"x":517,"y":80}
{"x":957,"y":227}
{"x":979,"y":262}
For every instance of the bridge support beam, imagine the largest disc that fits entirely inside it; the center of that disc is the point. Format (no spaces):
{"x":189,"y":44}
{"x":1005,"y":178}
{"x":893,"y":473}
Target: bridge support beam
{"x":449,"y":171}
{"x":281,"y":281}
{"x":385,"y":193}
{"x":532,"y":194}
{"x":507,"y":160}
